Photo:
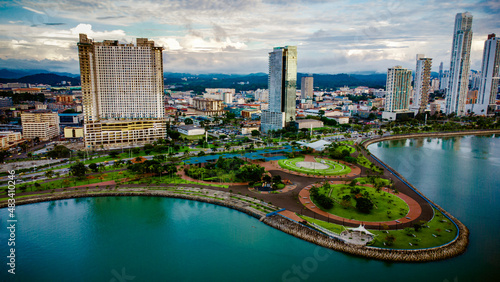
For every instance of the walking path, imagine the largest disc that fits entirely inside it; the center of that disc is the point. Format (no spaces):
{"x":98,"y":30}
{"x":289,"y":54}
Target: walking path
{"x":415,"y":209}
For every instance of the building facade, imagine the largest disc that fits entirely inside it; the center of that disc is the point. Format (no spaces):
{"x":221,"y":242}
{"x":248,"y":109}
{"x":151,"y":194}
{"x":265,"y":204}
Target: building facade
{"x":43,"y":124}
{"x":122,"y":85}
{"x":422,"y":83}
{"x":282,"y":88}
{"x":209,"y":107}
{"x":488,"y":86}
{"x":306,"y":87}
{"x":9,"y":139}
{"x":458,"y":83}
{"x":398,"y":89}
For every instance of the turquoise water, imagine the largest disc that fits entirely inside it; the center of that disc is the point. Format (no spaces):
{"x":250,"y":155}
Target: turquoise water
{"x":158,"y":239}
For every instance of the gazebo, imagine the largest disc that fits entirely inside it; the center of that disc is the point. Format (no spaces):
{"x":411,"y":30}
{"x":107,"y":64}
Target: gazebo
{"x":357,"y":236}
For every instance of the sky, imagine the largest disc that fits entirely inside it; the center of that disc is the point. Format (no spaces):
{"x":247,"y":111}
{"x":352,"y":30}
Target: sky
{"x":235,"y":36}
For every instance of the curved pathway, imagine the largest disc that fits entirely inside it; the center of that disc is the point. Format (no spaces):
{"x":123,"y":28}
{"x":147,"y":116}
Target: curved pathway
{"x":414,"y":208}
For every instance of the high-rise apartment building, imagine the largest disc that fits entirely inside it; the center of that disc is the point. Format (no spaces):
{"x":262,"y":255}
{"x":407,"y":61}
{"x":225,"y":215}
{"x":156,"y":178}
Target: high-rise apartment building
{"x":306,"y":87}
{"x":456,"y":92}
{"x":488,"y":85}
{"x":122,"y":92}
{"x":282,"y":88}
{"x":398,"y":89}
{"x":422,"y":83}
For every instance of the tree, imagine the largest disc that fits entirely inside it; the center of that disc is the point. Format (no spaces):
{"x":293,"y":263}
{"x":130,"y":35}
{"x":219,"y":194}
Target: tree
{"x":94,"y":167}
{"x":266,"y":178}
{"x":250,"y":172}
{"x":321,"y":113}
{"x":3,"y":155}
{"x":49,"y":173}
{"x":136,"y":151}
{"x":276,"y":179}
{"x":59,"y":151}
{"x":364,"y":205}
{"x":390,"y":239}
{"x":255,"y":133}
{"x":188,"y":121}
{"x":113,"y":154}
{"x":78,"y":170}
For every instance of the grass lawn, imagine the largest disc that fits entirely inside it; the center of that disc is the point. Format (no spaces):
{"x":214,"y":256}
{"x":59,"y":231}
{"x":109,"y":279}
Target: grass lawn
{"x":334,"y":167}
{"x":171,"y":180}
{"x":330,"y":226}
{"x":387,"y":207}
{"x":347,"y":142}
{"x":344,"y":147}
{"x":362,"y":160}
{"x":424,"y":237}
{"x":364,"y":180}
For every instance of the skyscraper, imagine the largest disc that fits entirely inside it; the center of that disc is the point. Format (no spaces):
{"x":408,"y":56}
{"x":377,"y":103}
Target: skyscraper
{"x":456,"y":92}
{"x":122,"y":92}
{"x":422,"y":83}
{"x":306,"y":87}
{"x":398,"y":89}
{"x":488,"y":85}
{"x":282,"y":88}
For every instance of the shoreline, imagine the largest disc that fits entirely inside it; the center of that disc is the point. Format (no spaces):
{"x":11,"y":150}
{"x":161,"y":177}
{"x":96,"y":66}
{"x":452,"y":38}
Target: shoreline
{"x":451,"y":249}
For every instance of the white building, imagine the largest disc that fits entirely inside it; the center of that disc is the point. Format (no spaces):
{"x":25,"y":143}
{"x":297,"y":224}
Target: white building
{"x":398,"y":89}
{"x":488,"y":86}
{"x":422,"y":83}
{"x":191,"y":130}
{"x":456,"y":92}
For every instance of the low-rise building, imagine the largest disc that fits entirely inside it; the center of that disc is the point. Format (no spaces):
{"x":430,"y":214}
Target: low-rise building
{"x":209,"y":107}
{"x":191,"y":130}
{"x":341,"y":120}
{"x":73,"y":132}
{"x":43,"y":124}
{"x":309,"y":123}
{"x":118,"y":133}
{"x":9,"y":139}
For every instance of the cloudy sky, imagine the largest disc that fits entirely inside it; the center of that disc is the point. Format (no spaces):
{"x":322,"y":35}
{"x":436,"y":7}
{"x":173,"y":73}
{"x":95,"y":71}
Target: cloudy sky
{"x":235,"y":36}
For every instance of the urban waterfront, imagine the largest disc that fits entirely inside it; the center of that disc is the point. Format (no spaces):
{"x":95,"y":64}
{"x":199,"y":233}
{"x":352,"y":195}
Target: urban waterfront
{"x":159,"y":238}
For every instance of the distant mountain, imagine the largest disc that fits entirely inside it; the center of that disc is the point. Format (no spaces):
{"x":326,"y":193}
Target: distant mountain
{"x":18,"y":73}
{"x":44,"y":78}
{"x":254,"y":81}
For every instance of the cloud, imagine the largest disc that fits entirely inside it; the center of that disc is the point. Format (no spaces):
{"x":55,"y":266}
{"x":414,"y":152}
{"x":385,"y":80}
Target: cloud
{"x":214,"y":34}
{"x":33,"y":10}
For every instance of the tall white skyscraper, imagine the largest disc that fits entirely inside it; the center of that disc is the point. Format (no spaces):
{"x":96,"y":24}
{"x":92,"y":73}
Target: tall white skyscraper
{"x":456,"y":92}
{"x":122,"y":92}
{"x":488,"y":85}
{"x":398,"y":89}
{"x":282,"y":88}
{"x":422,"y":83}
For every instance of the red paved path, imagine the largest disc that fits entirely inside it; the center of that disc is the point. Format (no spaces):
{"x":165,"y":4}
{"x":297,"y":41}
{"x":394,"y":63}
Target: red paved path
{"x":415,"y":209}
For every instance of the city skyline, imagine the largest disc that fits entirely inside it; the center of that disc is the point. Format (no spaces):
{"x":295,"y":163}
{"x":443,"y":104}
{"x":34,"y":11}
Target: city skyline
{"x":210,"y":36}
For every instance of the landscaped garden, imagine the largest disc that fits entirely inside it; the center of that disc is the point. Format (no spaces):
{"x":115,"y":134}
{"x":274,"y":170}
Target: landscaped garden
{"x":226,"y":170}
{"x":320,"y":167}
{"x":362,"y":203}
{"x":438,"y":231}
